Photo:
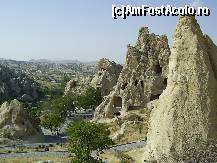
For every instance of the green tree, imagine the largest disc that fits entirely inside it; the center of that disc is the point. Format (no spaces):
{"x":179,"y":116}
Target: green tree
{"x":85,"y":137}
{"x":61,"y":105}
{"x":90,"y":100}
{"x":55,"y":111}
{"x":52,"y":122}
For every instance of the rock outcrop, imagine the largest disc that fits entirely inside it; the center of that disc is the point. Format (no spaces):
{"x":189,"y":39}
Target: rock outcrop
{"x":14,"y":121}
{"x":78,"y":85}
{"x":106,"y":76}
{"x":186,"y":113}
{"x":104,"y":79}
{"x":17,"y":85}
{"x":143,"y":78}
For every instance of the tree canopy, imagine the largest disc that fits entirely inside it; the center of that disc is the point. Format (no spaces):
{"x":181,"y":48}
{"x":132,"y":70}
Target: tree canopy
{"x":85,"y":137}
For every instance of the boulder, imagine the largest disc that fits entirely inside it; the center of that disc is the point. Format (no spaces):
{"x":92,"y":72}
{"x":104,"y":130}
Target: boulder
{"x":15,"y":122}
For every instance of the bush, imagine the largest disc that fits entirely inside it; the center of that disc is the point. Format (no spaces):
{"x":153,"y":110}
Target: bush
{"x":85,"y":137}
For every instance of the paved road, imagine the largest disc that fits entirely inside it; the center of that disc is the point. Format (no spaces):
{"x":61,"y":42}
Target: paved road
{"x":121,"y":148}
{"x":35,"y":154}
{"x":128,"y":147}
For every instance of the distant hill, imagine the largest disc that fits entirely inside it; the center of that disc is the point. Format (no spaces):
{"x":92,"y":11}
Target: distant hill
{"x":55,"y":61}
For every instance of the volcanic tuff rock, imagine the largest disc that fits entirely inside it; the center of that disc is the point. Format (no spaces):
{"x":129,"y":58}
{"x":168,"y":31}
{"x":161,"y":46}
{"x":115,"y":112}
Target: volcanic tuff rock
{"x":14,"y":121}
{"x":104,"y":79}
{"x":143,"y":78}
{"x":16,"y":85}
{"x":78,"y":85}
{"x":186,"y":113}
{"x":107,"y":76}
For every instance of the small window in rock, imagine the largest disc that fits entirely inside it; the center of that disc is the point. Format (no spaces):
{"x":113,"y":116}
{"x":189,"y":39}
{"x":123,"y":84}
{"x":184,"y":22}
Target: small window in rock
{"x":98,"y":88}
{"x":100,"y":74}
{"x":117,"y":101}
{"x":23,"y":123}
{"x":158,"y":69}
{"x":142,"y":84}
{"x":136,"y":82}
{"x":165,"y":81}
{"x":117,"y":113}
{"x":123,"y":86}
{"x":106,"y":76}
{"x":154,"y":97}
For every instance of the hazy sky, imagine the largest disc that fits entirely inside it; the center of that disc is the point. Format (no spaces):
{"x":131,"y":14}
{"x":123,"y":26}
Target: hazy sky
{"x":82,"y":29}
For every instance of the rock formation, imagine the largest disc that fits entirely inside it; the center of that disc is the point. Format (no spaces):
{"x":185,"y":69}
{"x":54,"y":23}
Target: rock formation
{"x":143,"y":78}
{"x":78,"y":85}
{"x":106,"y":77}
{"x":186,"y":113}
{"x":16,"y":85}
{"x":14,"y":121}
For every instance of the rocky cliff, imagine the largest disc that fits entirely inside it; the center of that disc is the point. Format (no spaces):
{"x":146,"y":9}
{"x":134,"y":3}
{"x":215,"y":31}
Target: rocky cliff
{"x":107,"y":76}
{"x":16,"y":85}
{"x":78,"y":85}
{"x":104,"y":79}
{"x":143,"y":78}
{"x":185,"y":116}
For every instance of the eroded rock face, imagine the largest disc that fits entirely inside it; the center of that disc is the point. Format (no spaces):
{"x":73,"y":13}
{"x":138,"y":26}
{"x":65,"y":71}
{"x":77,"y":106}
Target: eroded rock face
{"x":107,"y":76}
{"x":105,"y":79}
{"x":78,"y":85}
{"x":143,"y":78}
{"x":14,"y":121}
{"x":186,"y":113}
{"x":16,"y":85}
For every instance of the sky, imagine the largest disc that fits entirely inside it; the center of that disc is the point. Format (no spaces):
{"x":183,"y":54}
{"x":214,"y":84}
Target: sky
{"x":83,"y":29}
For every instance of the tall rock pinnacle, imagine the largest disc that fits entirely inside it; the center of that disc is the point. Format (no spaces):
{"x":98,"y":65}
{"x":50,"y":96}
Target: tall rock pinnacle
{"x":186,"y":113}
{"x":142,"y":79}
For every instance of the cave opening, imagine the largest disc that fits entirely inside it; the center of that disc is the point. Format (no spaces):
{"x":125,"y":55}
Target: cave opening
{"x":154,"y":97}
{"x":142,"y":84}
{"x":158,"y":69}
{"x":165,"y":81}
{"x":136,"y":82}
{"x":117,"y":100}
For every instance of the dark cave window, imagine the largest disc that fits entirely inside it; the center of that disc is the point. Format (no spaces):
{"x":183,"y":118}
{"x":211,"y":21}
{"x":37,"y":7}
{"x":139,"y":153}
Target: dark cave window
{"x":100,"y":74}
{"x":117,"y":113}
{"x":117,"y":101}
{"x":154,"y":97}
{"x":165,"y":81}
{"x":136,"y":82}
{"x":23,"y":123}
{"x":142,"y":84}
{"x":98,"y":88}
{"x":158,"y":69}
{"x":106,"y":76}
